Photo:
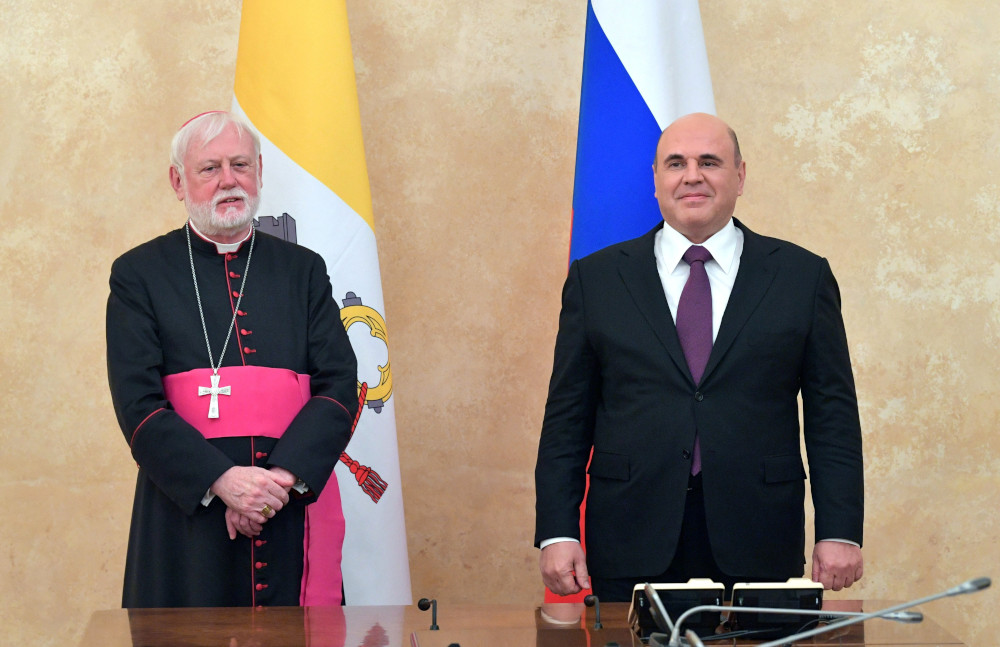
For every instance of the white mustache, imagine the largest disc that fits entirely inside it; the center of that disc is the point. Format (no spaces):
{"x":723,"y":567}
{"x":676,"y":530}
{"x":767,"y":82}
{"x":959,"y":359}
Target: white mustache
{"x":230,"y":193}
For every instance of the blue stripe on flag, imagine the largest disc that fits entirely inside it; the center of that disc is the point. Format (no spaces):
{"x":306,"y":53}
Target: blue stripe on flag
{"x":613,"y":190}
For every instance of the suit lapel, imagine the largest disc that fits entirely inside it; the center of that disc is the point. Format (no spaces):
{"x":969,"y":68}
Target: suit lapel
{"x":637,"y":269}
{"x":755,"y":276}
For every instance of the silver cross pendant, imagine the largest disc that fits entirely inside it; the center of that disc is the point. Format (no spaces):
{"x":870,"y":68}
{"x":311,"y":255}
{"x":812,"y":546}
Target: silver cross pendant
{"x":215,"y":391}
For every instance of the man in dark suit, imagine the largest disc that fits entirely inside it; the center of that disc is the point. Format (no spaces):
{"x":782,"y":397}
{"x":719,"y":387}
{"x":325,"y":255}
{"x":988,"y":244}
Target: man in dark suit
{"x":696,"y":468}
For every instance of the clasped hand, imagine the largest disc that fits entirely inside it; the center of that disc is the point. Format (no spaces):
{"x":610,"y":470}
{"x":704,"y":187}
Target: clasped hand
{"x":248,"y":492}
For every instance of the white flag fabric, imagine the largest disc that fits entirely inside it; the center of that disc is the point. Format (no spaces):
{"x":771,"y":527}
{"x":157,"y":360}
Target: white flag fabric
{"x":295,"y":84}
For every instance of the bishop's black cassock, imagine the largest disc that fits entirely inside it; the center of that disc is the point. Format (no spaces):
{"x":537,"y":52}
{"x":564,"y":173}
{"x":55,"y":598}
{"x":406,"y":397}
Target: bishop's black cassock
{"x":288,"y":338}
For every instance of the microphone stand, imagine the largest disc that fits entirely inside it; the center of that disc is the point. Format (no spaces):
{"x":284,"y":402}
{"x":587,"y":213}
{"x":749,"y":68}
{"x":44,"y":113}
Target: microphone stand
{"x":425,"y":604}
{"x":901,"y":616}
{"x":971,"y":586}
{"x":592,"y":601}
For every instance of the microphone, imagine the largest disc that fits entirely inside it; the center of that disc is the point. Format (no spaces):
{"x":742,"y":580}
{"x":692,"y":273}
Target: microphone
{"x":592,"y":601}
{"x":971,"y":586}
{"x":423,"y":604}
{"x":899,"y":616}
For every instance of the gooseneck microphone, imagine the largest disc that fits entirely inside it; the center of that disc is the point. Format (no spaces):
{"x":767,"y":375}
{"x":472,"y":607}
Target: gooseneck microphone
{"x":592,"y":601}
{"x":899,"y":616}
{"x":971,"y":586}
{"x":423,"y":604}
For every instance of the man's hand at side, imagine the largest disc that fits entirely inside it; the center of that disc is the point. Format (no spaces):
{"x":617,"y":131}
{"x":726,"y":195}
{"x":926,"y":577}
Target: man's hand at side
{"x":564,"y":568}
{"x":836,"y":565}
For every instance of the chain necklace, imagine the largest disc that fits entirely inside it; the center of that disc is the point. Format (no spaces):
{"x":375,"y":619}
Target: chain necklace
{"x":215,"y":390}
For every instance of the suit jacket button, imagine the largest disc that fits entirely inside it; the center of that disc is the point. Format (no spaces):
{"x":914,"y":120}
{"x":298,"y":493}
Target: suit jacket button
{"x":686,"y":454}
{"x":698,"y":397}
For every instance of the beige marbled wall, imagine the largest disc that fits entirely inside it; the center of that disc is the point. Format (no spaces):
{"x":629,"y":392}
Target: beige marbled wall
{"x":869,"y":129}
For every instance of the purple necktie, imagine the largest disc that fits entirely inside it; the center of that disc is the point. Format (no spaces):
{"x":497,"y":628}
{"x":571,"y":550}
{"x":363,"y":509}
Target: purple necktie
{"x":694,"y":324}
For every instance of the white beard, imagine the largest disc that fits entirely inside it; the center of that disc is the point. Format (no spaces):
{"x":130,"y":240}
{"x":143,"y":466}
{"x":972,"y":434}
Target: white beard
{"x":231,"y":221}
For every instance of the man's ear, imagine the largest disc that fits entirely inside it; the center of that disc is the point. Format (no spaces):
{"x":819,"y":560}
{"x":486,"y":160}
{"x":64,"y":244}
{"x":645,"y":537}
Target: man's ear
{"x":176,"y":182}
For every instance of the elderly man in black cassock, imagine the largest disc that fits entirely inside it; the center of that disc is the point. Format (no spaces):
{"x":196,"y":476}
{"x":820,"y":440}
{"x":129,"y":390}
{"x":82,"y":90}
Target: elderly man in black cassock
{"x":234,"y":383}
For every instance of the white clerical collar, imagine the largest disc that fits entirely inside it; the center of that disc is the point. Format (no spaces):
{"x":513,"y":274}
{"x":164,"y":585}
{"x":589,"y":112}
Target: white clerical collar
{"x":722,"y":245}
{"x":222,"y":248}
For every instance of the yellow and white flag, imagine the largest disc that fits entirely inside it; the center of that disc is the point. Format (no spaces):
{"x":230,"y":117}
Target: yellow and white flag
{"x":295,"y":85}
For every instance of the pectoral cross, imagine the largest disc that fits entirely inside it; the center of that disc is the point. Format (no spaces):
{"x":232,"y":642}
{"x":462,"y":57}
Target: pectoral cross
{"x":215,"y":391}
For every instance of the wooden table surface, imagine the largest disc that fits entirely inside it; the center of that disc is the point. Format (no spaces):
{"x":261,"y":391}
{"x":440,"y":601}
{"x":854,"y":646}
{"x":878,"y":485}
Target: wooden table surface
{"x":467,"y":625}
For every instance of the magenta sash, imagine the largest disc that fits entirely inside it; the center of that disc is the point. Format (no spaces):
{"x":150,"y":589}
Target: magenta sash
{"x":263,"y":402}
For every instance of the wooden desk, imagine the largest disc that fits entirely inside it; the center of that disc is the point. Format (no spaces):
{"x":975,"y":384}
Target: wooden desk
{"x":551,"y":625}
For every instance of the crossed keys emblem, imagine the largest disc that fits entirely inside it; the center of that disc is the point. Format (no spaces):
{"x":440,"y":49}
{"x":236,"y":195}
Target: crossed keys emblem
{"x":355,"y":312}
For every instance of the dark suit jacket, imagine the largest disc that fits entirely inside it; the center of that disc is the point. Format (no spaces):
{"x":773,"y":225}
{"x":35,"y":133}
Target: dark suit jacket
{"x":620,"y":385}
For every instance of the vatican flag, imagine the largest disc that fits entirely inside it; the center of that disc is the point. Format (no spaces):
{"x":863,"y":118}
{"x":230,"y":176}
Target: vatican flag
{"x":295,"y":85}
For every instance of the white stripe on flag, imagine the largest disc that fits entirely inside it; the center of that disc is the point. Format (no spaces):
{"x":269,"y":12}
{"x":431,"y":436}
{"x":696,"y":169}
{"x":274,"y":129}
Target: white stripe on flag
{"x":662,"y":47}
{"x":375,"y":564}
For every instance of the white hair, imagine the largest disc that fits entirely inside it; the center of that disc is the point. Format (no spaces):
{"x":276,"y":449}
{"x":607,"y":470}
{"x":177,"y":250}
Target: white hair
{"x":203,"y":129}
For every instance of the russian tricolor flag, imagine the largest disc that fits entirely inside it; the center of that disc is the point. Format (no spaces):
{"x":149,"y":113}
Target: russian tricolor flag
{"x":644,"y":65}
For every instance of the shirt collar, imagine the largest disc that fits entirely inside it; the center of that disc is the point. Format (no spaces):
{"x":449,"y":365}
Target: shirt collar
{"x":222,"y":248}
{"x":722,"y":245}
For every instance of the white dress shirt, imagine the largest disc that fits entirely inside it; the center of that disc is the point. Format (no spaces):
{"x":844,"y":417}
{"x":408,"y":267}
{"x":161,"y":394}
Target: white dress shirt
{"x":726,"y":247}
